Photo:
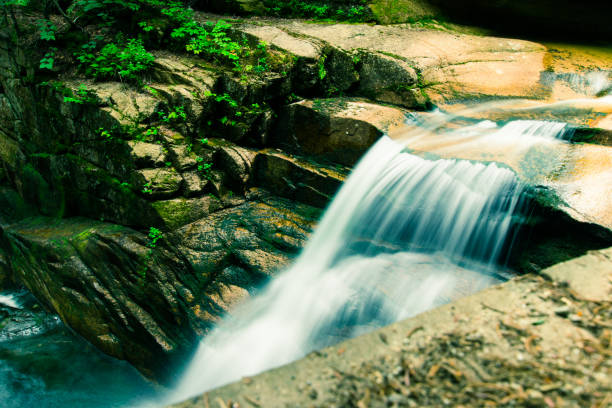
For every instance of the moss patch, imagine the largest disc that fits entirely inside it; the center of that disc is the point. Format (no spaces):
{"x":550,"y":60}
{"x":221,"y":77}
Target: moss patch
{"x":402,"y":11}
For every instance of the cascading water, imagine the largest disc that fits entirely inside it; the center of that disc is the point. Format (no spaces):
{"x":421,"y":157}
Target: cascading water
{"x":403,"y":235}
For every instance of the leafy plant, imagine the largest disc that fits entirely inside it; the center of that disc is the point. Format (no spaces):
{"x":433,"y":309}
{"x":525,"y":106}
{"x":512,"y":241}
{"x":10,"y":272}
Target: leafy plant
{"x":47,"y":29}
{"x":48,"y":60}
{"x":322,"y":70}
{"x":154,"y":236}
{"x":175,"y":116}
{"x":355,"y":12}
{"x":147,"y":188}
{"x":83,"y":95}
{"x":124,"y":60}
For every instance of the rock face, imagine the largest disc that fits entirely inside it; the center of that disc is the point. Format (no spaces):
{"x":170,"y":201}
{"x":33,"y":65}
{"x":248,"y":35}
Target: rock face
{"x":410,"y":67}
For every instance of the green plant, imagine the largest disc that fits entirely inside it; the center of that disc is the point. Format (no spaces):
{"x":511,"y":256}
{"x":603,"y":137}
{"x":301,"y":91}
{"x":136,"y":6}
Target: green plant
{"x":177,"y":115}
{"x":83,"y":95}
{"x":48,"y":60}
{"x":321,"y":65}
{"x":204,"y":167}
{"x":125,"y":60}
{"x":154,"y":236}
{"x":355,"y":11}
{"x":47,"y":29}
{"x":147,"y":188}
{"x":106,"y":134}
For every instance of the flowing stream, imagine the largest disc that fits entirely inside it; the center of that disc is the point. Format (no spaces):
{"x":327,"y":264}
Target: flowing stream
{"x":403,"y":235}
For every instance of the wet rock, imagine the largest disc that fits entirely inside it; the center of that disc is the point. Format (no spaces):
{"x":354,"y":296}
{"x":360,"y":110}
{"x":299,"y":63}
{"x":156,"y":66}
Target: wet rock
{"x":149,"y":305}
{"x":107,"y":285}
{"x":494,"y":352}
{"x":23,"y":317}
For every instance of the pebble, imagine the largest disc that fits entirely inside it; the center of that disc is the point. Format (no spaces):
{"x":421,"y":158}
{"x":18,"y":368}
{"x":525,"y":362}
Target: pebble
{"x":562,"y":311}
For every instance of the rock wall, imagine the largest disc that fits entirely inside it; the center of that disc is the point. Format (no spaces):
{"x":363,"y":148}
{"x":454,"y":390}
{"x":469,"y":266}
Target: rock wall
{"x":95,"y":186}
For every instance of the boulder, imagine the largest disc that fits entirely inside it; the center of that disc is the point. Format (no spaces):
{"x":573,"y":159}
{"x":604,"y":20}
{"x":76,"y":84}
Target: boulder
{"x":149,"y":303}
{"x":147,"y":154}
{"x":293,"y":178}
{"x":159,"y":183}
{"x":335,"y":129}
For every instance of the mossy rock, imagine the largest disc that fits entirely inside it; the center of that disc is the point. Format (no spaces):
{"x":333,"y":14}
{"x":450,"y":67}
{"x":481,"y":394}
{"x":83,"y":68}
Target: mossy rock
{"x":181,"y":211}
{"x":403,"y":11}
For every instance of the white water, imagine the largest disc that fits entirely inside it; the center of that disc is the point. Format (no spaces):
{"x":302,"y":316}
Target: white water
{"x":536,"y":128}
{"x":388,"y":247}
{"x":9,"y":300}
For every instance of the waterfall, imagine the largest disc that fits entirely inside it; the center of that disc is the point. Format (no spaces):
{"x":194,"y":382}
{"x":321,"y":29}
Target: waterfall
{"x":403,"y":235}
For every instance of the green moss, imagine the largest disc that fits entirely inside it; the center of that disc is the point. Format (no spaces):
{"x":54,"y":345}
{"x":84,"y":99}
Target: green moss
{"x":403,"y":11}
{"x":180,"y":211}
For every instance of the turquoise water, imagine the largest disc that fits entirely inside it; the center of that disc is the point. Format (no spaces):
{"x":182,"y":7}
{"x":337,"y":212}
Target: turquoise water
{"x":44,"y":365}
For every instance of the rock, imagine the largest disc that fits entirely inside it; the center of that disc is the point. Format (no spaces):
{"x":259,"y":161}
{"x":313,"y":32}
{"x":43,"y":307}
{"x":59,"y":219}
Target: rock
{"x":104,"y":282}
{"x":6,"y":274}
{"x":124,"y":103}
{"x":150,"y":305}
{"x":182,"y":158}
{"x":479,"y":338}
{"x":302,"y":48}
{"x":147,"y":154}
{"x":449,"y":66}
{"x":596,"y":265}
{"x":340,"y":72}
{"x":578,"y":177}
{"x":292,"y":178}
{"x":236,"y":163}
{"x":193,"y":184}
{"x":389,"y":80}
{"x":402,"y":11}
{"x":336,"y":129}
{"x":180,"y":211}
{"x":159,"y":183}
{"x":562,"y":311}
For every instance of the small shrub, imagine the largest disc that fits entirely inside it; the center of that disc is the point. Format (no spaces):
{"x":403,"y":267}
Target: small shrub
{"x":124,"y":61}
